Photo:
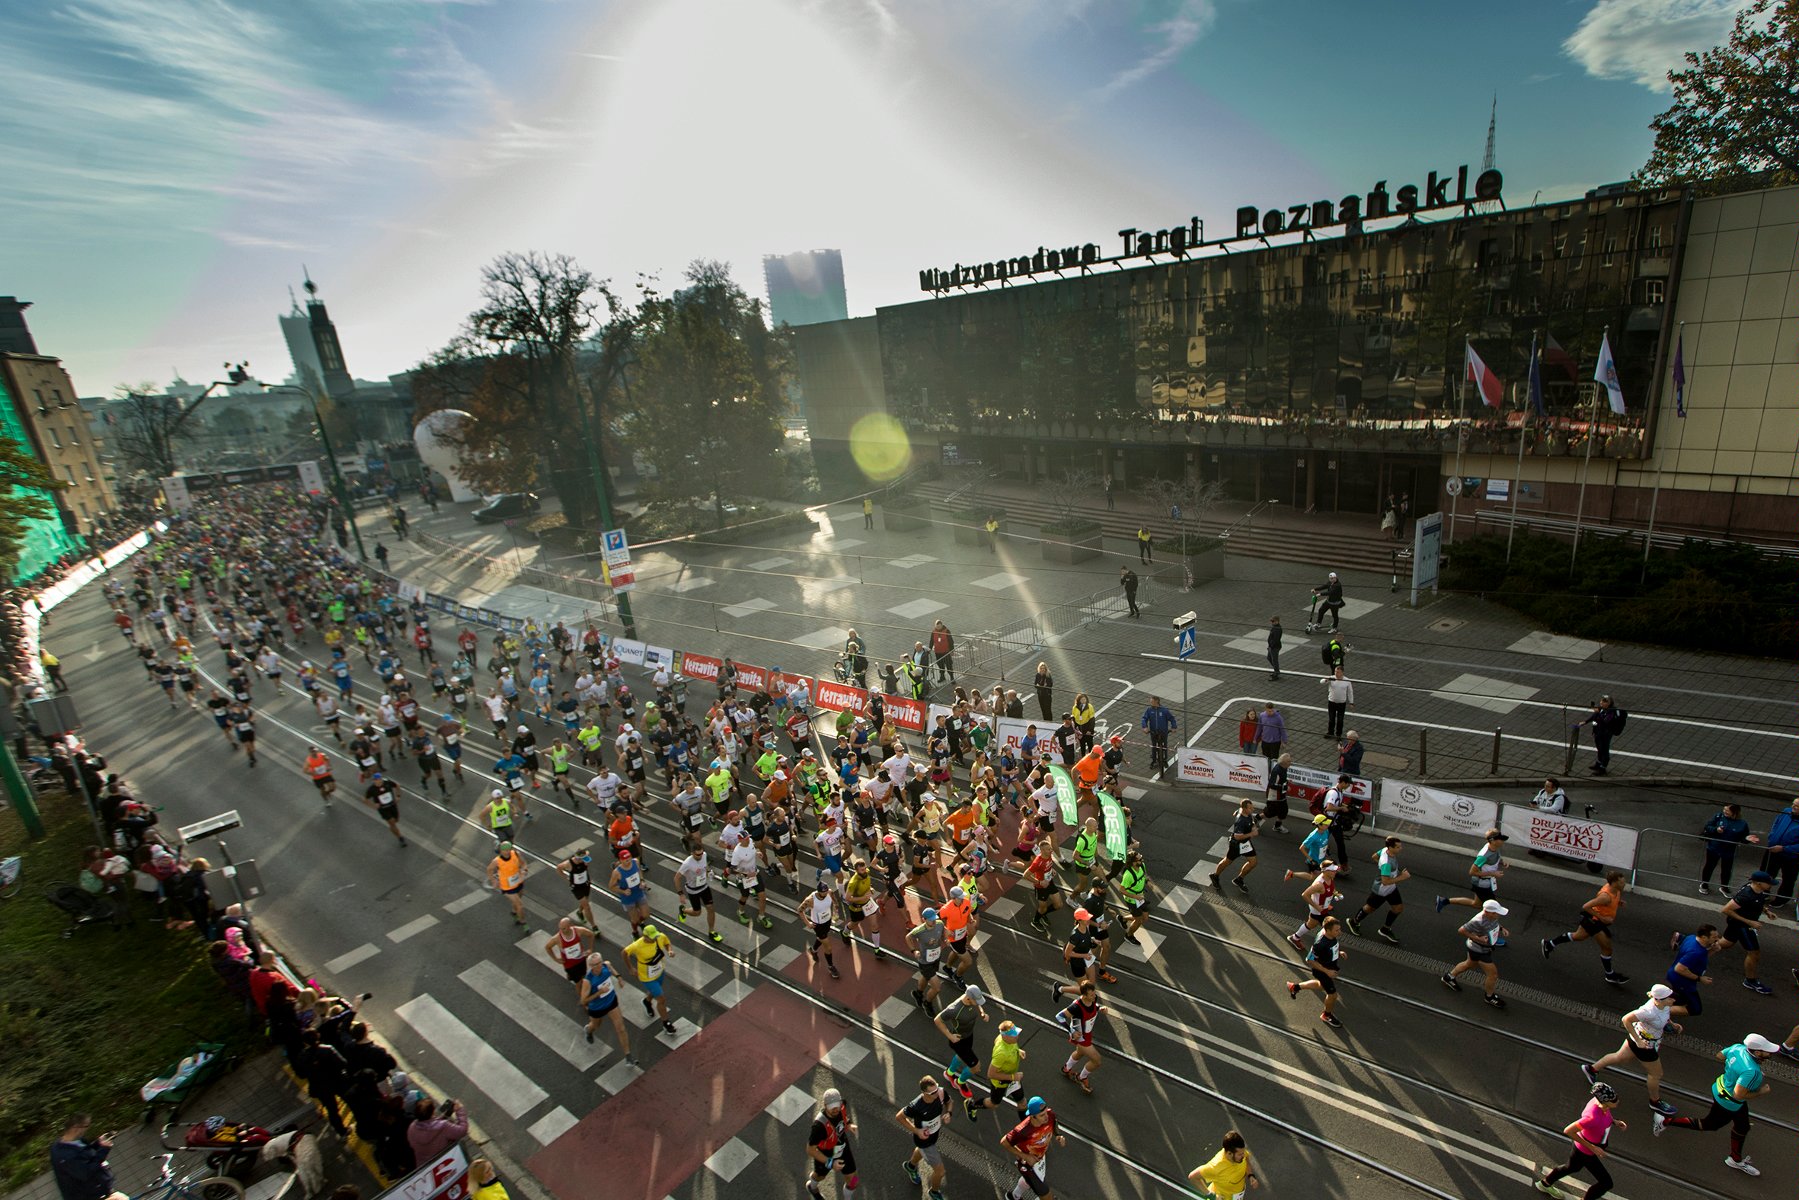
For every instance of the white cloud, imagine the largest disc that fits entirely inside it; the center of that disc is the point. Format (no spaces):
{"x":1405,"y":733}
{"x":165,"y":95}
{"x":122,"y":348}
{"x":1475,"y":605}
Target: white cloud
{"x":1642,"y":40}
{"x":1174,"y":36}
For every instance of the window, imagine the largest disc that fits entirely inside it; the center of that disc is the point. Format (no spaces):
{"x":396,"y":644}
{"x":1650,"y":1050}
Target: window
{"x":1655,"y":237}
{"x":70,"y":472}
{"x":74,"y":436}
{"x":1611,"y":248}
{"x":1655,"y":291}
{"x":54,"y":440}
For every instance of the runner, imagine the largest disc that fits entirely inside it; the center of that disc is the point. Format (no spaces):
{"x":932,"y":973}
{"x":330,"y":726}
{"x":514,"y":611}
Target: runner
{"x":507,"y":873}
{"x":1740,"y":1082}
{"x":957,"y":1022}
{"x":577,"y":868}
{"x":1596,"y":918}
{"x":859,"y":902}
{"x":1590,"y":1131}
{"x":828,"y":1144}
{"x":1028,"y":1143}
{"x":599,"y":1000}
{"x":1047,"y":885}
{"x":694,"y":877}
{"x":1692,"y":954}
{"x":784,"y":848}
{"x":1325,"y":958}
{"x":318,"y":769}
{"x":243,"y":724}
{"x":425,"y":751}
{"x":1386,"y":891}
{"x":1005,"y":1073}
{"x":1079,"y":952}
{"x":627,"y":883}
{"x":569,"y":948}
{"x":922,"y":1117}
{"x":1080,"y":1018}
{"x":1743,"y":917}
{"x":820,"y":911}
{"x":1228,"y":1174}
{"x":1644,"y":1029}
{"x":926,"y":941}
{"x":1133,"y":884}
{"x":746,"y":873}
{"x":1479,"y":934}
{"x":1321,"y":896}
{"x":650,"y":953}
{"x":1241,"y":845}
{"x":559,"y":754}
{"x":498,"y":812}
{"x":383,"y":795}
{"x":1484,"y":874}
{"x":957,"y":915}
{"x":1094,"y":903}
{"x":1314,"y":848}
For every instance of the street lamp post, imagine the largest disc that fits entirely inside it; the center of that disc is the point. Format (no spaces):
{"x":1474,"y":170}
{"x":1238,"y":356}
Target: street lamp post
{"x":595,"y":465}
{"x":337,"y":475}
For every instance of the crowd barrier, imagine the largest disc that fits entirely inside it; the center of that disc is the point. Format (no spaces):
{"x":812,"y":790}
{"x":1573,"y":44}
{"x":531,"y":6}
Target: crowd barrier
{"x":1558,"y":834}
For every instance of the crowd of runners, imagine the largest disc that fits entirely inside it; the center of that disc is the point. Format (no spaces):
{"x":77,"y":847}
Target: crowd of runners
{"x":244,"y":599}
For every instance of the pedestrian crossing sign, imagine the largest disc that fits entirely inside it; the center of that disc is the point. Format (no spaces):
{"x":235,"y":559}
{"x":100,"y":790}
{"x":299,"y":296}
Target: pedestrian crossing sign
{"x":1186,"y":643}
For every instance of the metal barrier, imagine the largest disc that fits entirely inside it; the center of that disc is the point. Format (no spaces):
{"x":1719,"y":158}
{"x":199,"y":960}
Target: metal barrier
{"x":1667,"y":854}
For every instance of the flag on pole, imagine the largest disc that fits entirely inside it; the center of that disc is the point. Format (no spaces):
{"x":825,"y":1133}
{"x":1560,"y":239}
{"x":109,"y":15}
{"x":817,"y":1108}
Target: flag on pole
{"x":1536,"y":378}
{"x":1605,"y":373}
{"x":1680,"y":376}
{"x":1555,"y":356}
{"x":1483,"y":379}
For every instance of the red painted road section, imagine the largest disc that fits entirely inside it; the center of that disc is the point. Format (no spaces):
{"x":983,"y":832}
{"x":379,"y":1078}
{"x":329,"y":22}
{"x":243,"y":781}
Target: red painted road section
{"x":642,"y":1143}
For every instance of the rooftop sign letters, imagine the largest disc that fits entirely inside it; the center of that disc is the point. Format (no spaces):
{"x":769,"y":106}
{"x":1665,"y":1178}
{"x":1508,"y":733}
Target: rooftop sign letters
{"x":1437,"y":192}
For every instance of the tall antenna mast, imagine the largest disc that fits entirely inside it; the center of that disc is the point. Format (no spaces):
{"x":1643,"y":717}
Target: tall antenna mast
{"x":1486,"y":164}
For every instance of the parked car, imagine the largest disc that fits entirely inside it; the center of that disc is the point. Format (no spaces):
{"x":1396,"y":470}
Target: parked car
{"x":507,"y":505}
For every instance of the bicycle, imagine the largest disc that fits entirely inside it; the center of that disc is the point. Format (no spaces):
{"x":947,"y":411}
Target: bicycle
{"x":189,"y":1187}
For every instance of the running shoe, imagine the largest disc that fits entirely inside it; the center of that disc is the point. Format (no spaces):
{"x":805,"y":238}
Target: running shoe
{"x":649,"y":1006}
{"x":1758,"y":987}
{"x":1241,"y":886}
{"x":1705,"y":889}
{"x":1331,"y":1020}
{"x":631,"y":1062}
{"x":1659,"y":1124}
{"x":1614,"y":977}
{"x":590,"y":1037}
{"x":1387,"y":933}
{"x":1292,"y":991}
{"x":669,"y":1026}
{"x":1496,"y":1000}
{"x":879,"y":953}
{"x":1219,"y":886}
{"x":972,"y":1109}
{"x":1294,"y":941}
{"x":681,"y":916}
{"x":1355,"y":926}
{"x":1548,"y":1189}
{"x":1662,"y":1107}
{"x":1286,"y":877}
{"x":911,"y":1173}
{"x":1107,"y":977}
{"x":1449,"y":981}
{"x":1742,"y":1164}
{"x":1442,"y":903}
{"x":744,"y":917}
{"x":832,"y":968}
{"x":1549,"y":946}
{"x":765,"y":923}
{"x":716,"y":936}
{"x":1592,"y":1075}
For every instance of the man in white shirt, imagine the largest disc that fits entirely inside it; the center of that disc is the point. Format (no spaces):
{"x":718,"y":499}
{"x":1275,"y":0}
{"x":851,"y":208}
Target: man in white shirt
{"x":604,"y":787}
{"x":694,"y":877}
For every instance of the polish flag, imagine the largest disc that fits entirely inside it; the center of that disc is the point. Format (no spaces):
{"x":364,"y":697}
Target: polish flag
{"x":1483,"y":379}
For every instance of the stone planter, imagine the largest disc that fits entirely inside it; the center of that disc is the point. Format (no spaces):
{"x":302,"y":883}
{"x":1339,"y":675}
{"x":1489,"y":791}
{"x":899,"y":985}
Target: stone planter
{"x":970,"y":525}
{"x":1206,"y":565}
{"x":1070,"y":548}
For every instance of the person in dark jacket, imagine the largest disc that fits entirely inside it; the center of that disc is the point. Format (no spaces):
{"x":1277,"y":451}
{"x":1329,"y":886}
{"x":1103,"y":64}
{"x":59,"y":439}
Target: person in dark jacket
{"x":1607,"y":722}
{"x":1127,"y":579}
{"x":1349,"y":754}
{"x":1726,"y":831}
{"x":80,"y":1165}
{"x":1274,"y":646}
{"x":364,"y":1053}
{"x":1782,"y":858}
{"x":1046,"y":691}
{"x":284,"y":1020}
{"x":325,"y":1073}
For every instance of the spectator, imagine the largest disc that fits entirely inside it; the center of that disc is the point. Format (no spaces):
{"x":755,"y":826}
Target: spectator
{"x":1607,"y":720}
{"x":1782,"y":859}
{"x":1274,"y":646}
{"x":1271,"y":731}
{"x":943,"y":651}
{"x":364,"y":1053}
{"x":1551,"y":798}
{"x":80,"y":1165}
{"x":484,"y":1182}
{"x":284,"y":1020}
{"x":233,"y":974}
{"x":430,"y":1134}
{"x":1085,"y":719}
{"x":325,"y":1072}
{"x":1046,"y":691}
{"x":263,"y":978}
{"x":1127,"y":579}
{"x":1339,"y":697}
{"x":1726,"y":830}
{"x":1246,"y":731}
{"x":1349,"y":754}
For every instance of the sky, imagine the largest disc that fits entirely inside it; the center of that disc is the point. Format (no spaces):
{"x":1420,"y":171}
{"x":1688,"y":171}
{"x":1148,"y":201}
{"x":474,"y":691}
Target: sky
{"x":171,"y":166}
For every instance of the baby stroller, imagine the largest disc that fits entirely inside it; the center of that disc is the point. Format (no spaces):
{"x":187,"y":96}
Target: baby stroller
{"x":82,"y":907}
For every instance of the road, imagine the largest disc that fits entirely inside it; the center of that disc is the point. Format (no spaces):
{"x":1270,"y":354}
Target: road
{"x":1423,"y":1093}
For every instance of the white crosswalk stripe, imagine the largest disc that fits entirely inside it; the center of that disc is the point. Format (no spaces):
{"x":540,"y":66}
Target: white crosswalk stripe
{"x":344,"y":962}
{"x":510,"y":1089}
{"x":555,"y":1026}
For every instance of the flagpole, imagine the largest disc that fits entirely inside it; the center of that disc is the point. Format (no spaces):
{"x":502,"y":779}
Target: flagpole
{"x":1518,"y":482}
{"x":1586,"y":464}
{"x":1461,"y":442}
{"x":1655,"y":497}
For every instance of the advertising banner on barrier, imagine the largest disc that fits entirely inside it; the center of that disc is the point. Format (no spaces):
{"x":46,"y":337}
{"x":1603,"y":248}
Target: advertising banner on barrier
{"x":1444,"y":810}
{"x":905,"y":712}
{"x":1071,"y":814}
{"x":840,"y":697}
{"x":628,"y":651}
{"x":1112,"y":817}
{"x":655,"y":656}
{"x":1306,"y":784}
{"x":752,"y":679}
{"x":1213,"y":769}
{"x":700,"y":666}
{"x":1566,"y":837}
{"x":443,"y":1178}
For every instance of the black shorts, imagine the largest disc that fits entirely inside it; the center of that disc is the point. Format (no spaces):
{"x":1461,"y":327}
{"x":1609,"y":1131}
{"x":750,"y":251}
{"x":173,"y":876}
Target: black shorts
{"x":1046,"y":824}
{"x":1592,"y":925}
{"x":847,"y":1163}
{"x":1479,"y":956}
{"x":1045,"y":893}
{"x":927,"y":970}
{"x":695,"y":901}
{"x":1077,"y":967}
{"x":1641,"y":1055}
{"x":1239,"y":850}
{"x":323,"y":781}
{"x":1375,"y":900}
{"x":1325,"y":981}
{"x":1739,"y":934}
{"x":821,"y":934}
{"x":959,"y":945}
{"x":963,"y":1048}
{"x":389,"y":812}
{"x":581,"y":890}
{"x":576,"y":971}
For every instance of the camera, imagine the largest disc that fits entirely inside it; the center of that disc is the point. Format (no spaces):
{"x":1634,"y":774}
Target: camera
{"x":1184,"y":620}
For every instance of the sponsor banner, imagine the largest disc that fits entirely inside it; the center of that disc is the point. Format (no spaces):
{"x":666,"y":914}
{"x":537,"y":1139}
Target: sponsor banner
{"x":655,"y":656}
{"x":1431,"y":806}
{"x":753,"y":679}
{"x":410,"y":592}
{"x":465,"y":613}
{"x":1588,"y":841}
{"x":311,"y":478}
{"x":1112,"y":820}
{"x":440,"y":603}
{"x":700,"y":666}
{"x":1007,"y":731}
{"x":444,"y":1178}
{"x":1307,"y":784}
{"x":1065,"y":796}
{"x":905,"y":712}
{"x":628,"y":651}
{"x":1213,"y":769}
{"x":841,"y":697}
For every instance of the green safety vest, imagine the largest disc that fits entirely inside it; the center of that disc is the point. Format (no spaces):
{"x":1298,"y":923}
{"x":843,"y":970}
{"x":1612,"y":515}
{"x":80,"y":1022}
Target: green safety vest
{"x":501,"y":813}
{"x":1086,"y":848}
{"x":1131,"y":882}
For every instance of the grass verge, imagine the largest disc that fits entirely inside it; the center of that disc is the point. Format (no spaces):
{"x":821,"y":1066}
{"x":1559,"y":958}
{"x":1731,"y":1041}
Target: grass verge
{"x":87,"y":1020}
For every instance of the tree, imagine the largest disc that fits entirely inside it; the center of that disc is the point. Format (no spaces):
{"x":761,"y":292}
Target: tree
{"x":25,"y":487}
{"x":151,"y":426}
{"x":1736,"y":106}
{"x":705,"y":401}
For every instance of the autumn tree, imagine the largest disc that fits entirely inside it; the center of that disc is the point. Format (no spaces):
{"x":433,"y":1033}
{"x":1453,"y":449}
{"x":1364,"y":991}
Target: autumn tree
{"x":705,"y":400}
{"x":25,"y":487}
{"x":1736,"y":106}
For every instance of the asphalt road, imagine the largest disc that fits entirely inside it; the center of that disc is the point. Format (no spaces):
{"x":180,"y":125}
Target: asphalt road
{"x":1423,"y":1093}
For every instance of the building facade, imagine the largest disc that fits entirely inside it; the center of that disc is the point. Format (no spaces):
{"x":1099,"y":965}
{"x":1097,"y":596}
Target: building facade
{"x":56,"y":431}
{"x":805,"y":287}
{"x":1324,"y":367}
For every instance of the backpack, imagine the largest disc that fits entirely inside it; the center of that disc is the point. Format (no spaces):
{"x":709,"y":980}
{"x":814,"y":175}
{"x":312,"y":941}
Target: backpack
{"x":1618,"y":724}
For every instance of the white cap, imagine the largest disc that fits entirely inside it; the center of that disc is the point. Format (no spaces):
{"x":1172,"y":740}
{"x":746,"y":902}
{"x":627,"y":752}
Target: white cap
{"x":1660,"y":991}
{"x":781,"y":775}
{"x":498,"y":794}
{"x":974,"y":993}
{"x":1760,"y":1044}
{"x":1494,"y":907}
{"x":523,"y":729}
